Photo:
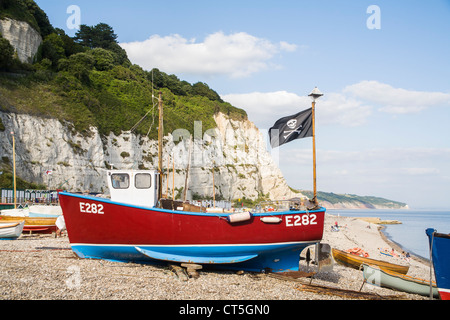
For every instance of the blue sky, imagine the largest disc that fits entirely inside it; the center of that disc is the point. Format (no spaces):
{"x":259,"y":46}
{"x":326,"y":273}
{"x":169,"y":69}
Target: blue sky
{"x":382,"y":125}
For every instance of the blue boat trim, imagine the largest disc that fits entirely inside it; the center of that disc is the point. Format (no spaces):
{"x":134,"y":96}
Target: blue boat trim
{"x":253,"y":257}
{"x":213,"y":246}
{"x":43,"y":215}
{"x":194,"y":259}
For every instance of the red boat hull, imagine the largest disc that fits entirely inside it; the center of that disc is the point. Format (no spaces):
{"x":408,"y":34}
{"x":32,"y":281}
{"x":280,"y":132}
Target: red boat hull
{"x":97,"y":226}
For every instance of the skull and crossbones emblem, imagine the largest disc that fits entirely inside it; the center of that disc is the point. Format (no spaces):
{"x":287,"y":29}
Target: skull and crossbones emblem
{"x":292,"y":124}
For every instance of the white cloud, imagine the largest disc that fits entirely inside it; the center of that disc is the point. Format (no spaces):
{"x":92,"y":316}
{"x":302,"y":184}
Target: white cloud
{"x":419,"y":171}
{"x":396,"y":100}
{"x":337,"y":108}
{"x":264,"y":108}
{"x":288,"y":46}
{"x":399,"y":156}
{"x":236,"y":55}
{"x":351,"y":107}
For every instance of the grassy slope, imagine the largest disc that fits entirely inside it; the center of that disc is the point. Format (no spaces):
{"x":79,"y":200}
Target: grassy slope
{"x":342,"y":198}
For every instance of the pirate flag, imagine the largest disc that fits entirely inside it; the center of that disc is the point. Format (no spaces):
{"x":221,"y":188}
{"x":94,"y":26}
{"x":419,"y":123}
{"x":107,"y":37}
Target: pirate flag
{"x":287,"y":129}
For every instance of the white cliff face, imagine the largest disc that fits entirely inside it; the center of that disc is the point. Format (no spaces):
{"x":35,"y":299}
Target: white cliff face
{"x":23,"y":38}
{"x":234,"y":155}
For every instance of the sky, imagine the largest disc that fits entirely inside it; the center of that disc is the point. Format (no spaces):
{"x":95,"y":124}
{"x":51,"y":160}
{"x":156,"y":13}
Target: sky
{"x":382,"y":126}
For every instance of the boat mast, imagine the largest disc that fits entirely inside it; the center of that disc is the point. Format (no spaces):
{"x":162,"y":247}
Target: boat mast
{"x":160,"y":143}
{"x":187,"y":170}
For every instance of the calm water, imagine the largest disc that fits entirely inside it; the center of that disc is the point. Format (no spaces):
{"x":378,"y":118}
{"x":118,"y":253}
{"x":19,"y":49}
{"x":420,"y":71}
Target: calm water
{"x":410,"y":235}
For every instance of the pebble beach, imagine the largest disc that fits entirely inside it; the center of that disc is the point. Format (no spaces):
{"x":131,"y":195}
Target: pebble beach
{"x":42,"y":267}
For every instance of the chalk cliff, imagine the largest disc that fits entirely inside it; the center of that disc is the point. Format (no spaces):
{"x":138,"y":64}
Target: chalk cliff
{"x":235,"y":153}
{"x":23,"y":38}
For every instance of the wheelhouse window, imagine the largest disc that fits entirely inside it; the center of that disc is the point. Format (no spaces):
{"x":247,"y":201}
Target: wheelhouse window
{"x":143,"y":181}
{"x":120,"y":181}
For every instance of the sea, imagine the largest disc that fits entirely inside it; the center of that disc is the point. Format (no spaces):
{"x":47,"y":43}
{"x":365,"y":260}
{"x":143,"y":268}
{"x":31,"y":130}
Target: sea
{"x":410,"y":234}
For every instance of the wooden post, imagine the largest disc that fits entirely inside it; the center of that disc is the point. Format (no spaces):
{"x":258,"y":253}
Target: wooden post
{"x":14,"y":170}
{"x":187,"y":170}
{"x":160,"y":143}
{"x":173,"y":178}
{"x":214,"y":189}
{"x":167,"y":178}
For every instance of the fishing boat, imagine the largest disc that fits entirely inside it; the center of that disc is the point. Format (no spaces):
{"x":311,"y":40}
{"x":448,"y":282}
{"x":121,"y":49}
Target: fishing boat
{"x":43,"y":211}
{"x":132,"y":227}
{"x":18,"y":212}
{"x":356,"y":262}
{"x":11,"y":230}
{"x":440,"y":257}
{"x":400,"y":282}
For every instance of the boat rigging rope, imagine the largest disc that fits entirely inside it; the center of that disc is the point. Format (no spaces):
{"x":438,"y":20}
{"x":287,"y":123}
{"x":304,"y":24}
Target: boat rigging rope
{"x":145,"y":116}
{"x":139,"y":122}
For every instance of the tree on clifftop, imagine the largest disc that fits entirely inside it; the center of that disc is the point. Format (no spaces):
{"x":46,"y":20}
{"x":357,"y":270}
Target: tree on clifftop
{"x":101,"y":36}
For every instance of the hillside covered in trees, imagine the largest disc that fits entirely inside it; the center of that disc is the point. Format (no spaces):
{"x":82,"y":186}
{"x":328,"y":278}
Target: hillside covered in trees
{"x":88,"y":80}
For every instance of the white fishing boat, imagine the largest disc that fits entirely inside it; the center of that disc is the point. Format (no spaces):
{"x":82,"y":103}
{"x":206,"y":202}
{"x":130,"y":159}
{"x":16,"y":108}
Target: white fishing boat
{"x":42,"y":211}
{"x":34,"y":211}
{"x":20,"y":212}
{"x":11,"y":230}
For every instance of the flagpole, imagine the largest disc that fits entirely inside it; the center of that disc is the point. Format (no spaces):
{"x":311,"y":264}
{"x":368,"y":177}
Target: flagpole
{"x":315,"y":94}
{"x":14,"y":170}
{"x":314,"y":151}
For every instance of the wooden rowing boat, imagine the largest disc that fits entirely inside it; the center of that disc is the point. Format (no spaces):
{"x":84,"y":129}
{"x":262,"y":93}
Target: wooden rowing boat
{"x":29,"y":220}
{"x":400,"y":282}
{"x":355,"y":262}
{"x":33,"y":225}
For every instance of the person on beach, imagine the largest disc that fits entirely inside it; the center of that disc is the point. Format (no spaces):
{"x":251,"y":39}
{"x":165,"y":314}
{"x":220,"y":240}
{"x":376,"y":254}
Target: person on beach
{"x":60,"y":226}
{"x":406,"y":255}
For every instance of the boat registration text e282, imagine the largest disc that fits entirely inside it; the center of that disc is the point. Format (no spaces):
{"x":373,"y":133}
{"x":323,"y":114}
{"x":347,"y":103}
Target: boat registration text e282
{"x":86,"y":207}
{"x":301,"y":220}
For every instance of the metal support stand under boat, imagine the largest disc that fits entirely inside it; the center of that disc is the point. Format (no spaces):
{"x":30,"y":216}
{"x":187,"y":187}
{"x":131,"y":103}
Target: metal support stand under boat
{"x":324,"y":257}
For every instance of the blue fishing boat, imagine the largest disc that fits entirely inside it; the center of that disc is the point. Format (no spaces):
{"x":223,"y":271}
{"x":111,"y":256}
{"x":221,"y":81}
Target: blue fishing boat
{"x":440,"y":256}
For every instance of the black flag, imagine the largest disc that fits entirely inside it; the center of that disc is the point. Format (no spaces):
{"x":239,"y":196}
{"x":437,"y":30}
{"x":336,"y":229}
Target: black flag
{"x":287,"y":129}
